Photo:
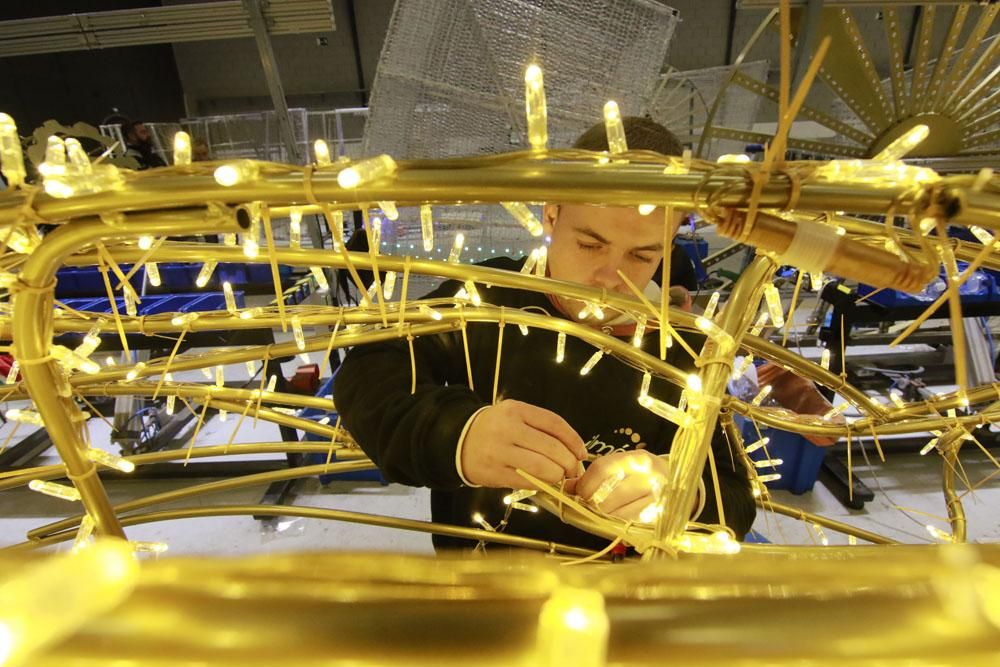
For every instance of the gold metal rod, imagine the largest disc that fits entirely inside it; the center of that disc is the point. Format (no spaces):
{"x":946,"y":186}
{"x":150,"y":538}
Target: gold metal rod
{"x":833,"y":524}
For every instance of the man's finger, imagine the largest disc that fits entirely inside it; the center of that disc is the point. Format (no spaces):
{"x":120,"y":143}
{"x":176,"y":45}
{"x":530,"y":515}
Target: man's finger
{"x":542,"y":443}
{"x":536,"y":465}
{"x":554,"y":425}
{"x":632,"y":489}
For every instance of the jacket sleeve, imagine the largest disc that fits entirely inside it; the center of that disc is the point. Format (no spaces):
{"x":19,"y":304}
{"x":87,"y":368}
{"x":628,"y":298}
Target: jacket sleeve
{"x":412,"y":438}
{"x":734,"y":486}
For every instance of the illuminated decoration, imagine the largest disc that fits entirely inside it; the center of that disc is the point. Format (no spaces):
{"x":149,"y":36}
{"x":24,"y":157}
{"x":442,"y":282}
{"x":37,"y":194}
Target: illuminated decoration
{"x":427,"y":227}
{"x":388,"y":285}
{"x":205,"y":274}
{"x":237,"y":173}
{"x":589,"y":366}
{"x":153,"y":273}
{"x":523,"y":215}
{"x":11,"y":153}
{"x":366,"y":171}
{"x":182,"y":149}
{"x":295,"y":228}
{"x":389,"y":209}
{"x":713,"y":301}
{"x":24,"y":416}
{"x":824,"y":360}
{"x":227,"y":291}
{"x":55,"y":490}
{"x":787,"y":192}
{"x":646,"y":209}
{"x":535,"y":108}
{"x":110,"y":460}
{"x":321,"y":151}
{"x":322,"y":284}
{"x":614,"y":129}
{"x":774,"y":307}
{"x":456,"y":248}
{"x":640,"y":331}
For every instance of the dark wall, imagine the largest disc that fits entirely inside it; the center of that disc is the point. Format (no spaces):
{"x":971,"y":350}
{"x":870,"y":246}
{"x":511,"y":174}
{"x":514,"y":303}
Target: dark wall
{"x":141,"y":81}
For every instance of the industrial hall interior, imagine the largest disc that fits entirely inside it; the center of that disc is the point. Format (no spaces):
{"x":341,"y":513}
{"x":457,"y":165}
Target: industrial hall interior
{"x":499,"y":332}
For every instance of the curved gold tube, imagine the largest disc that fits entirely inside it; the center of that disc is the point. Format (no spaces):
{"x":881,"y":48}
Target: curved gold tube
{"x":334,"y":515}
{"x":32,"y":328}
{"x":211,"y":487}
{"x":832,"y":524}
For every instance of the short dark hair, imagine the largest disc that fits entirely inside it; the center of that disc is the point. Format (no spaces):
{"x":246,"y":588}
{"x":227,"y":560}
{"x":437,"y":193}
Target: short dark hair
{"x":641,"y":133}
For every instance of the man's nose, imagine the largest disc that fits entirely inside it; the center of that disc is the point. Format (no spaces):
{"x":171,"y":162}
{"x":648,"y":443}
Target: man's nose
{"x":606,"y":274}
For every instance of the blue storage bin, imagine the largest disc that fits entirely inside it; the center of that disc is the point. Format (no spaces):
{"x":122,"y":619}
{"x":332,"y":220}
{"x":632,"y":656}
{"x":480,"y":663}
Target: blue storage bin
{"x":79,"y":281}
{"x":981,"y":287}
{"x":801,"y":460}
{"x":316,"y":458}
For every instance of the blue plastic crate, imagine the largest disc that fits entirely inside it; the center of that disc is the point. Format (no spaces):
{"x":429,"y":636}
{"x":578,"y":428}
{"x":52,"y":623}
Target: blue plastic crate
{"x":316,"y":458}
{"x":981,"y":287}
{"x":801,"y":460}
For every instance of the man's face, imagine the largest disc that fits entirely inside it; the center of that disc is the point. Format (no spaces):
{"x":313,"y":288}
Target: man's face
{"x":591,"y":244}
{"x":139,"y":134}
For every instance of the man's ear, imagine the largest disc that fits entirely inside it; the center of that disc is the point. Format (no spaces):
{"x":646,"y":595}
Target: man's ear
{"x":550,"y":214}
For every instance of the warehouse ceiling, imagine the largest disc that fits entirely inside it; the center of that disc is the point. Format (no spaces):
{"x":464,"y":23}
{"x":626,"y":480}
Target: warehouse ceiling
{"x":336,"y":68}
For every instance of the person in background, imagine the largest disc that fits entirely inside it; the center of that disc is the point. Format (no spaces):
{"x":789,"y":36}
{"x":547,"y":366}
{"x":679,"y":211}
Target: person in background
{"x":199,"y":150}
{"x":138,"y":141}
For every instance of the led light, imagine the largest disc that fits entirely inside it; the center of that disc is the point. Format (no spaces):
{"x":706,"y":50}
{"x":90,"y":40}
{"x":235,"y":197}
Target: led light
{"x":607,"y":487}
{"x":91,"y":341}
{"x":83,"y":534}
{"x":647,"y":378}
{"x":759,"y":325}
{"x":366,"y":171}
{"x":560,"y":347}
{"x":768,"y":463}
{"x":929,"y":446}
{"x":183,"y":319}
{"x":743,"y":367}
{"x":816,"y":280}
{"x":523,"y":215}
{"x":251,"y":248}
{"x":223,"y":415}
{"x":821,"y":534}
{"x":110,"y":460}
{"x":824,"y":359}
{"x":71,"y":360}
{"x":535,"y":109}
{"x":713,"y":331}
{"x":614,"y":129}
{"x":523,"y":328}
{"x":525,"y":507}
{"x":389,"y":209}
{"x":227,"y":291}
{"x":130,"y":305}
{"x":764,"y":479}
{"x":774,"y":308}
{"x":733,"y":158}
{"x":55,"y":490}
{"x":665,"y":410}
{"x":543,"y":258}
{"x":389,"y":285}
{"x":23,"y":416}
{"x":22,"y":242}
{"x":713,"y":301}
{"x":518,"y":496}
{"x":12,"y":373}
{"x":171,"y":404}
{"x":300,"y":338}
{"x":110,"y":362}
{"x":939,"y":534}
{"x":897,"y":398}
{"x":11,"y":153}
{"x":763,"y":442}
{"x":530,"y":262}
{"x":470,"y":288}
{"x":322,"y":152}
{"x":764,"y":392}
{"x":573,"y":629}
{"x":229,"y":239}
{"x":207,"y":372}
{"x":430,"y":312}
{"x":694,"y":383}
{"x":984,"y":236}
{"x":148,"y":547}
{"x":220,"y":376}
{"x":272,"y":382}
{"x":145,"y":242}
{"x":478,"y":518}
{"x":135,"y":371}
{"x":337,"y":227}
{"x":903,"y":145}
{"x":832,"y":412}
{"x":251,"y":368}
{"x":640,"y":330}
{"x":234,"y":173}
{"x":295,"y":228}
{"x":589,"y":366}
{"x":456,"y":248}
{"x":206,"y":273}
{"x":182,"y":149}
{"x":153,"y":273}
{"x":251,"y":313}
{"x":646,"y":209}
{"x":427,"y":227}
{"x":322,"y":285}
{"x":649,"y":513}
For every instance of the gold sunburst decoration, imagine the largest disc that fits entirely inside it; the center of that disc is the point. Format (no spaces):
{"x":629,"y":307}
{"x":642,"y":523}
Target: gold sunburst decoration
{"x":952,"y":87}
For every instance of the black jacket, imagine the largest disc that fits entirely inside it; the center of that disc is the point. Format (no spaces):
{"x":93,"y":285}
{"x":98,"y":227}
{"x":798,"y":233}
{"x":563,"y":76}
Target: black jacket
{"x":413,"y":438}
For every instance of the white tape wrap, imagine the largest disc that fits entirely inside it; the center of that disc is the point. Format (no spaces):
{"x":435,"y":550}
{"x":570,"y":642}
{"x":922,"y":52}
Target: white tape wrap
{"x":812,"y":246}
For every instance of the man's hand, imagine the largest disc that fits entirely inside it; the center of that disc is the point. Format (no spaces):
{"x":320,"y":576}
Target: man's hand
{"x":798,"y":395}
{"x":632,"y":478}
{"x":511,"y":435}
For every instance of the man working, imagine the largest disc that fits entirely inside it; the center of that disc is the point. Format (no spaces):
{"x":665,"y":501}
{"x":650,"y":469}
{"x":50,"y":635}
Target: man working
{"x":449,"y":437}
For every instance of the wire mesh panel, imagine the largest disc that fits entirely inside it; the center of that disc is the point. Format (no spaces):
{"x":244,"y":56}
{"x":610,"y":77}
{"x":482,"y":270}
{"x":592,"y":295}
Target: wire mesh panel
{"x":450,"y":82}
